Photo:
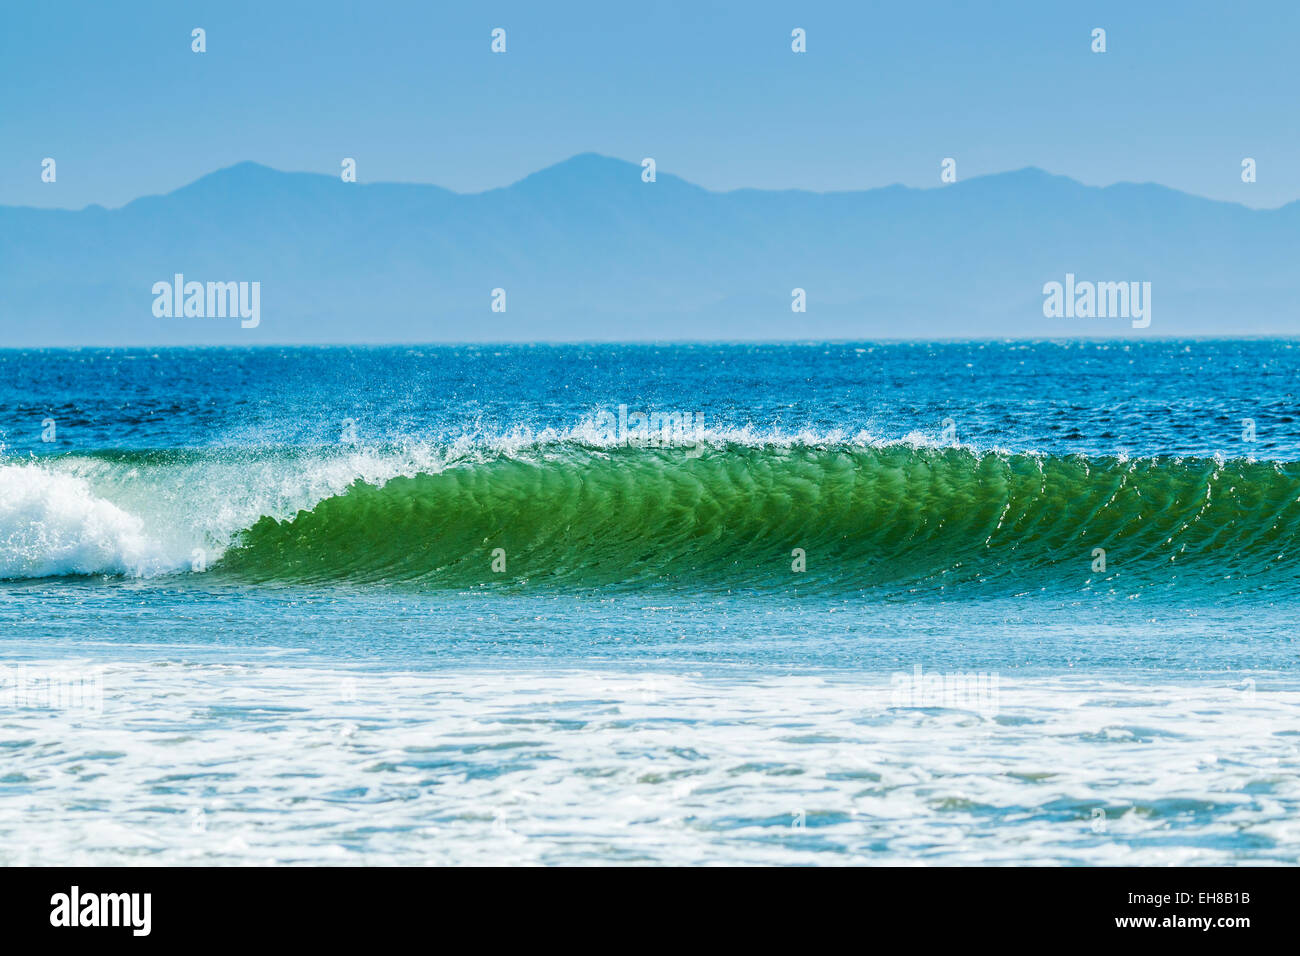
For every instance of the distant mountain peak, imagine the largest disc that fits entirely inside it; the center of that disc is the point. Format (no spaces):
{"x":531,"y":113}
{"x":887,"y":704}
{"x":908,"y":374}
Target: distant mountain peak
{"x":588,"y":170}
{"x":241,"y":171}
{"x":244,"y":179}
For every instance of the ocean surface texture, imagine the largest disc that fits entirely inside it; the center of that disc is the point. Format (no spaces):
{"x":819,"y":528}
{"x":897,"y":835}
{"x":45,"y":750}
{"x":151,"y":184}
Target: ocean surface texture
{"x":851,"y":603}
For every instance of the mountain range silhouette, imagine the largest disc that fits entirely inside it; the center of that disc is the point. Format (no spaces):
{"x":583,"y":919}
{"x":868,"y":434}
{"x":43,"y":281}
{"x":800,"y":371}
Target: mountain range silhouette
{"x":587,"y":251}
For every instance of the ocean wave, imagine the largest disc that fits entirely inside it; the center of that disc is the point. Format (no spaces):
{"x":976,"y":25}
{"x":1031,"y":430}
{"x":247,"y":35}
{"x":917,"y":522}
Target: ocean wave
{"x":825,"y":513}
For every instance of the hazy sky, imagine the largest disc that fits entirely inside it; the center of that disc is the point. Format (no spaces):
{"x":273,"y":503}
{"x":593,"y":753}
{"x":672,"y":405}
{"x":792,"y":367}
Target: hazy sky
{"x":113,"y":92}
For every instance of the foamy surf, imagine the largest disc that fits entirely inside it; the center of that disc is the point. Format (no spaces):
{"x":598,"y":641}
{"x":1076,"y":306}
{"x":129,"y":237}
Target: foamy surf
{"x":54,"y":524}
{"x":587,"y":767}
{"x":143,"y":514}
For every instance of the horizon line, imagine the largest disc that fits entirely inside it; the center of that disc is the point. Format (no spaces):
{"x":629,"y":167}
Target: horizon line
{"x":660,"y":343}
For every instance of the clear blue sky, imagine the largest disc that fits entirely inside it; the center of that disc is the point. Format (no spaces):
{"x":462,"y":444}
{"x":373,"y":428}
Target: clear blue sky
{"x":712,"y":91}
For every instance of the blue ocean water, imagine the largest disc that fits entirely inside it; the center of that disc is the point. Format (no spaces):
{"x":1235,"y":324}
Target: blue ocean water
{"x":864,"y":602}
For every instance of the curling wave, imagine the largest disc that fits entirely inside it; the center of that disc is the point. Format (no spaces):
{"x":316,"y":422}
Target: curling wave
{"x":852,"y":517}
{"x":836,"y":516}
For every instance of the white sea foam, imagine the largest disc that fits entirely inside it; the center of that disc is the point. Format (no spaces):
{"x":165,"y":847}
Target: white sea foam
{"x":507,"y":766}
{"x":97,"y":515}
{"x":54,"y":524}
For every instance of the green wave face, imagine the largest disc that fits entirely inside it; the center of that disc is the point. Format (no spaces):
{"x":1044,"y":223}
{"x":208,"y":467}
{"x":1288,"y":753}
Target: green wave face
{"x":891,"y":519}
